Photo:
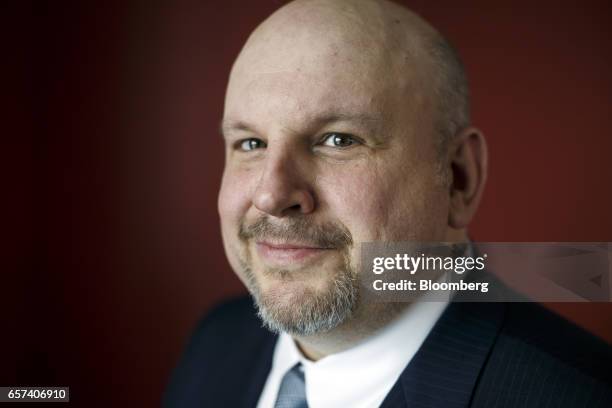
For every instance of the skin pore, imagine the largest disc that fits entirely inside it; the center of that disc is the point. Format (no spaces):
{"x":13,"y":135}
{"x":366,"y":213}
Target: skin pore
{"x":331,"y":140}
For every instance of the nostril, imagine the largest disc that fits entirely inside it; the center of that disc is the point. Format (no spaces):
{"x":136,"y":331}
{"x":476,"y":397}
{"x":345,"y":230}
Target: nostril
{"x":276,"y":198}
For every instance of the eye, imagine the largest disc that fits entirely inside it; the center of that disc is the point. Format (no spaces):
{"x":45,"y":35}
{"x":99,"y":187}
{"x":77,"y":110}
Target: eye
{"x":251,"y":144}
{"x":339,"y":140}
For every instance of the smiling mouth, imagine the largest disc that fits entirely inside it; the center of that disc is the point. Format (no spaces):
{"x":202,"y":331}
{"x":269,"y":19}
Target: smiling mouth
{"x":289,"y":253}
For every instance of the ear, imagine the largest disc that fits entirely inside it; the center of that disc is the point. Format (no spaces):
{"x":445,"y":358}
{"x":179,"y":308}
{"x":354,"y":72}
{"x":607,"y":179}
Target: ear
{"x":468,"y":159}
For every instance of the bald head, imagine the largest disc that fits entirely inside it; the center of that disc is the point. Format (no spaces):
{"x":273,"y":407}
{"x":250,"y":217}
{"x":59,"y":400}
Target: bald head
{"x":376,"y":43}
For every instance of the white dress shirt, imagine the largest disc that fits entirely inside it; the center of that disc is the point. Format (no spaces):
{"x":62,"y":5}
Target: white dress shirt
{"x":362,"y":376}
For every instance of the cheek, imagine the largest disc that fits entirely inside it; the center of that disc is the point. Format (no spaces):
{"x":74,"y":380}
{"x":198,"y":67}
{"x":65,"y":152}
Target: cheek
{"x":357,"y":198}
{"x":234,"y":193}
{"x":380,"y":205}
{"x":233,"y":202}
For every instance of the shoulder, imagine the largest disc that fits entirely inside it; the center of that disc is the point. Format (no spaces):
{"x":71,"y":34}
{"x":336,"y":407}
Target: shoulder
{"x":541,"y":359}
{"x":230,"y":318}
{"x":223,"y":352}
{"x":538,"y":328}
{"x":225,"y":327}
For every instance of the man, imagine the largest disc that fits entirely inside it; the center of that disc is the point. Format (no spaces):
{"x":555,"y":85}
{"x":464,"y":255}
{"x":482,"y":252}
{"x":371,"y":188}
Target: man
{"x":348,"y":122}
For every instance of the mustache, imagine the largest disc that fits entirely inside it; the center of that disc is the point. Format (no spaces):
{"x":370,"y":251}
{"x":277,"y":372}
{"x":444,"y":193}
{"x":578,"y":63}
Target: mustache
{"x":300,"y":229}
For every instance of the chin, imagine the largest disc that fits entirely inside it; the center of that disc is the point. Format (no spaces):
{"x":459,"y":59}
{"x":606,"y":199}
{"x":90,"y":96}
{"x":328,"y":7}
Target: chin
{"x":286,"y":289}
{"x":304,"y":305}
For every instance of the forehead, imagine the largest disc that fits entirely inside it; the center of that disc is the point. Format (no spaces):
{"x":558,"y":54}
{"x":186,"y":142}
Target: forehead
{"x":294,"y":97}
{"x":296,"y":90}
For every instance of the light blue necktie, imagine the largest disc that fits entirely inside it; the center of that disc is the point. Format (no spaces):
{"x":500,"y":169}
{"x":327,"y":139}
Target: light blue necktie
{"x":292,"y":391}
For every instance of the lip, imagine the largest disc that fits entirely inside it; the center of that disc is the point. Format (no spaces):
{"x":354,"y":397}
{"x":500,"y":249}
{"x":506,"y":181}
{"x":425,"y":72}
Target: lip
{"x":288,"y":253}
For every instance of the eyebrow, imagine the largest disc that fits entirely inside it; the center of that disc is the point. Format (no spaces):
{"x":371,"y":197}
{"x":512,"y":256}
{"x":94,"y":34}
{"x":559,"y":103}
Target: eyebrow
{"x":371,"y":121}
{"x":227,"y":124}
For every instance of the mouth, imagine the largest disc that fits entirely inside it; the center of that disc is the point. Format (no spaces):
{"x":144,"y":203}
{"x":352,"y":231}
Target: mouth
{"x":289,"y":253}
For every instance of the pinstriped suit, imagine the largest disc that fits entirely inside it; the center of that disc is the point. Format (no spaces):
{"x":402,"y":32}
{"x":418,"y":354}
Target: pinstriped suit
{"x":478,"y":355}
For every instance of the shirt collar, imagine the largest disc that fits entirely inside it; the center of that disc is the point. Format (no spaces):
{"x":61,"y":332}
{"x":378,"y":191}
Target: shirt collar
{"x":364,"y":373}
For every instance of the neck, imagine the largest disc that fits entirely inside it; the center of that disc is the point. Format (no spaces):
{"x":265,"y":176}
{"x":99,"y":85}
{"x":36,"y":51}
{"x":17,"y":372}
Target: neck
{"x":457,"y":235}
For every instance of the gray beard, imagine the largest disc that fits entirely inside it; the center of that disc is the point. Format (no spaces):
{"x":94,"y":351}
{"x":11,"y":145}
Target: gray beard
{"x":309,"y":312}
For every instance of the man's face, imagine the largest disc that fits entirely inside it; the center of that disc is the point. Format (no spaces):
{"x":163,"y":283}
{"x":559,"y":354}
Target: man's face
{"x":325,"y":149}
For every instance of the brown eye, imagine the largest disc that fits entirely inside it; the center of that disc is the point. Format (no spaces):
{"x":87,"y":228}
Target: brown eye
{"x":251,"y":144}
{"x":338,"y":140}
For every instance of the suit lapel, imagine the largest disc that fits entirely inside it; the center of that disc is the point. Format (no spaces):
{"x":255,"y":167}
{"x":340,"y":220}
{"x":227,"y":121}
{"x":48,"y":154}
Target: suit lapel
{"x":445,"y":370}
{"x":259,"y":373}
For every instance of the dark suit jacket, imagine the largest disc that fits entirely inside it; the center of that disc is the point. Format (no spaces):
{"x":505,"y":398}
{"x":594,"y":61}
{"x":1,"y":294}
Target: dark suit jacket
{"x":477,"y":355}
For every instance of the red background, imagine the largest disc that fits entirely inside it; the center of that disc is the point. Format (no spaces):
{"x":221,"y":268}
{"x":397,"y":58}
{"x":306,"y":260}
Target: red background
{"x":130,"y":255}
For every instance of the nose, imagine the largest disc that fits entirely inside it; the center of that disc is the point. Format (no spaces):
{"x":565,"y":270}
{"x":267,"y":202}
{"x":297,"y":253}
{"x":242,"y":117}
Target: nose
{"x":282,"y":188}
